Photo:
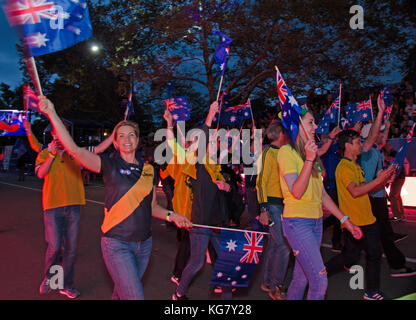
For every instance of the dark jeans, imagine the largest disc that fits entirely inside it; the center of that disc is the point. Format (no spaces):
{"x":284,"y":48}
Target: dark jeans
{"x":252,"y":203}
{"x":62,"y":226}
{"x":200,"y":237}
{"x":350,"y":255}
{"x":126,"y":262}
{"x":332,"y":220}
{"x":395,"y":257}
{"x":396,"y":199}
{"x":183,"y":253}
{"x":277,"y":251}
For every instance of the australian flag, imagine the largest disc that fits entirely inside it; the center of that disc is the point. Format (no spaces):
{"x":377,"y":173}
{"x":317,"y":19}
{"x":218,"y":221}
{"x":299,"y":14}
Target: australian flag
{"x":234,"y":115}
{"x":388,"y":102}
{"x":239,"y":256}
{"x":47,"y":26}
{"x":179,"y":108}
{"x":129,"y":107}
{"x":30,"y":100}
{"x":223,"y":51}
{"x":401,"y":154}
{"x":330,"y":116}
{"x":359,"y":111}
{"x":290,"y":108}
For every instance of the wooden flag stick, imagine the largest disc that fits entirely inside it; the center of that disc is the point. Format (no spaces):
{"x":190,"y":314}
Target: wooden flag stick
{"x":222,"y":228}
{"x":219,"y":89}
{"x":339,"y":111}
{"x":33,"y":72}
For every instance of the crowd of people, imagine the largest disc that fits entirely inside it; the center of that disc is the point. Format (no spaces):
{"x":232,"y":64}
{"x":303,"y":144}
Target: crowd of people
{"x":344,"y":174}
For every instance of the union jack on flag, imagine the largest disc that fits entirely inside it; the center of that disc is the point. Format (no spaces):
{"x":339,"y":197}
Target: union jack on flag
{"x":239,"y":255}
{"x":290,"y":107}
{"x":179,"y":108}
{"x":47,"y":26}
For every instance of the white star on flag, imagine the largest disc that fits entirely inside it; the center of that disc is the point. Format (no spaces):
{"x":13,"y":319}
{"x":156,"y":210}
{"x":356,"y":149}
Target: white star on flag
{"x":219,"y":274}
{"x":37,"y":40}
{"x":292,"y":101}
{"x":231,"y":245}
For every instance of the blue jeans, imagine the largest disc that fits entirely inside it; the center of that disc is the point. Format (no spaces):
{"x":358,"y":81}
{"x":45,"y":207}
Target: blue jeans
{"x":126,"y":262}
{"x":61,"y":226}
{"x":276,"y":255}
{"x":200,"y":238}
{"x":305,"y":236}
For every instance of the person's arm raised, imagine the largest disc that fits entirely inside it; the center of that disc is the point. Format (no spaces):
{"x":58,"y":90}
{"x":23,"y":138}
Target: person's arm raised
{"x":375,"y":128}
{"x":87,"y":159}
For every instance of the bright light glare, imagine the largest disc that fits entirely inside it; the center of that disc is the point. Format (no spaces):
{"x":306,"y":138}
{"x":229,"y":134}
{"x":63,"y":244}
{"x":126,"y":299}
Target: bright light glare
{"x":94,"y":48}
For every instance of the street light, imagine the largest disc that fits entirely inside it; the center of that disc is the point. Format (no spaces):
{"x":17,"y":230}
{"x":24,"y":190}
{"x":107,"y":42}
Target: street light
{"x":95,"y":48}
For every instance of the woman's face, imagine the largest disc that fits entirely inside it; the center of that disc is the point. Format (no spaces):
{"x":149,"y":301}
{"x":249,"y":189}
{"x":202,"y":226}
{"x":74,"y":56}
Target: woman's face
{"x":309,"y":125}
{"x":126,"y":139}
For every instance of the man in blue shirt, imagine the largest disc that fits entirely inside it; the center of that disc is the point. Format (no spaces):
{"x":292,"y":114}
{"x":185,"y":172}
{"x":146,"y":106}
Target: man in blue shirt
{"x":372,"y":162}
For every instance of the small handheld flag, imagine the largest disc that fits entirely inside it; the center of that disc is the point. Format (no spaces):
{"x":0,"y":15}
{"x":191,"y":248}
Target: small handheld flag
{"x":239,"y":256}
{"x":223,"y":51}
{"x":179,"y":108}
{"x":330,"y":116}
{"x":401,"y":154}
{"x":291,"y":110}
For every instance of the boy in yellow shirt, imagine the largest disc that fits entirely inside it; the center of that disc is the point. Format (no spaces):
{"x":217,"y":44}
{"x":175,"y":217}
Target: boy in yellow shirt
{"x":354,"y":201}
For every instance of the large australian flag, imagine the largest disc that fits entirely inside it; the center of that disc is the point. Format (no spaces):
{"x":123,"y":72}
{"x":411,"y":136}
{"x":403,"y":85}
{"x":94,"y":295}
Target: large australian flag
{"x":290,"y":107}
{"x":239,"y":256}
{"x":179,"y":108}
{"x":330,"y":116}
{"x":47,"y":26}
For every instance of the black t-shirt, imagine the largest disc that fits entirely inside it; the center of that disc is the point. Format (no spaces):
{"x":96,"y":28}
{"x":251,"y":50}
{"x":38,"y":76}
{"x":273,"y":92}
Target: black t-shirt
{"x":208,"y":205}
{"x":119,"y":176}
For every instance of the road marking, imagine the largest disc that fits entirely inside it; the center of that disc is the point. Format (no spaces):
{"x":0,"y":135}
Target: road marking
{"x":40,"y":190}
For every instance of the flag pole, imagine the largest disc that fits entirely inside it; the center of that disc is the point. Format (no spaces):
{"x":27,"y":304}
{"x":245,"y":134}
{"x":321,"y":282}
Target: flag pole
{"x":222,"y":228}
{"x":339,"y":111}
{"x":219,"y":89}
{"x":33,"y":72}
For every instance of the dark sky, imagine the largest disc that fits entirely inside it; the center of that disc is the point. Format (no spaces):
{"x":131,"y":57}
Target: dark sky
{"x":9,"y":70}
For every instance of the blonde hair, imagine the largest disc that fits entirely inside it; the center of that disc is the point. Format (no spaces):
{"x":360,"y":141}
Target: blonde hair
{"x":123,"y":123}
{"x":299,"y":147}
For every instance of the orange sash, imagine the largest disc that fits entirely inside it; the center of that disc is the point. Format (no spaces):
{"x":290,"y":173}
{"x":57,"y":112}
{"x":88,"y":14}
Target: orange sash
{"x":130,"y":201}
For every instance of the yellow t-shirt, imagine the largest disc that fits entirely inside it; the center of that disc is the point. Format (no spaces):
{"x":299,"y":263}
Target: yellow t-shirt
{"x":310,"y":205}
{"x":268,"y":181}
{"x":63,"y":184}
{"x":358,"y":209}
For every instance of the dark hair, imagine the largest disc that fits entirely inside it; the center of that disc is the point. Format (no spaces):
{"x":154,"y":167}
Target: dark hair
{"x":346,"y":136}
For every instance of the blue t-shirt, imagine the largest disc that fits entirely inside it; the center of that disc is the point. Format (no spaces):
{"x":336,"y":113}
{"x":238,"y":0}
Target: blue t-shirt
{"x":330,"y":161}
{"x":372,"y":162}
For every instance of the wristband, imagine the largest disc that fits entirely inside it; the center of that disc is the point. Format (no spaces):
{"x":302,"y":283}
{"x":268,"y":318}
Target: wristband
{"x":309,"y":160}
{"x":344,"y":218}
{"x":167,"y":216}
{"x":51,"y":155}
{"x":171,"y":127}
